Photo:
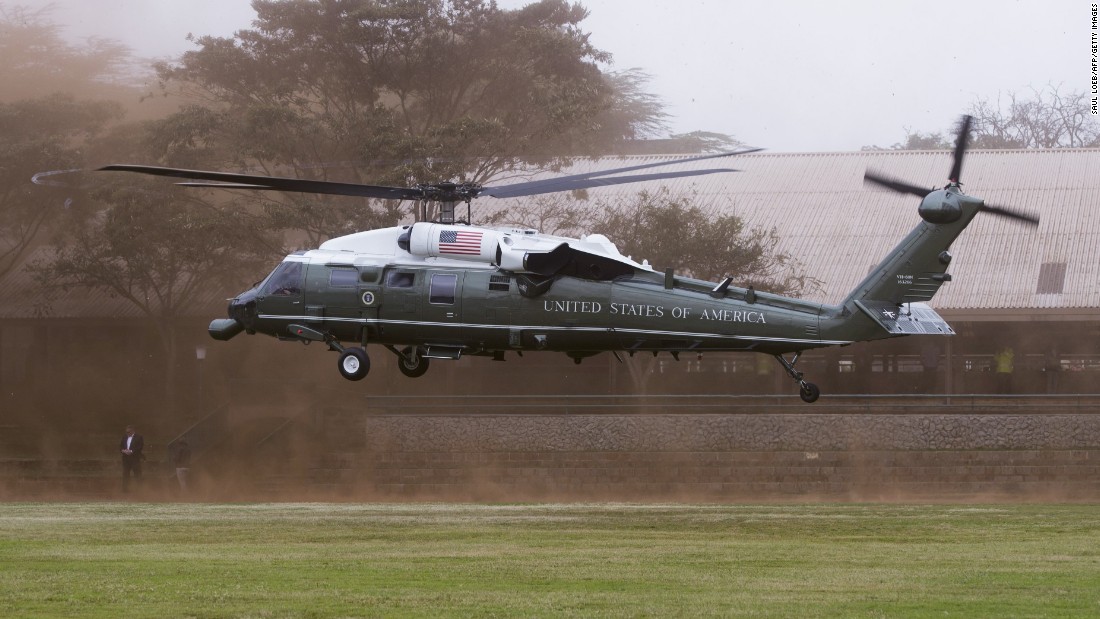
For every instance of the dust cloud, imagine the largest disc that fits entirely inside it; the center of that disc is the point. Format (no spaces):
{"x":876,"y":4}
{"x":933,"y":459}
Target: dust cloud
{"x":268,"y":420}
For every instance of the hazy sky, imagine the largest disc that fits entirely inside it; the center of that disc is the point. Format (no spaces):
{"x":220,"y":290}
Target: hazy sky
{"x":785,"y":75}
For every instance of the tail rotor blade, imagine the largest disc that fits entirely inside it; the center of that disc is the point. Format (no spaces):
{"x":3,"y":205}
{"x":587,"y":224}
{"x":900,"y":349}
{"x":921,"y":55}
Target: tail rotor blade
{"x":896,"y":185}
{"x":1010,"y":213}
{"x":960,"y":148}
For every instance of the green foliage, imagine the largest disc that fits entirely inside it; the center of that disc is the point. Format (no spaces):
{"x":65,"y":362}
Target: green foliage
{"x":147,"y":241}
{"x":389,"y":82}
{"x":344,"y":560}
{"x":164,"y":250}
{"x":398,"y":92}
{"x":155,"y":248}
{"x":701,"y":241}
{"x":635,"y":113}
{"x":925,"y":141}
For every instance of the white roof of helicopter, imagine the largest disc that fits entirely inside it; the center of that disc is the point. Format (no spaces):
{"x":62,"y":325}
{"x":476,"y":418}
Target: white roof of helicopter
{"x":381,"y":247}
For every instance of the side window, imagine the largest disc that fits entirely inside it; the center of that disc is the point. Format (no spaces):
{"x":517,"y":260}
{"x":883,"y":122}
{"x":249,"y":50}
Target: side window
{"x":400,"y":279}
{"x":285,"y":280}
{"x":442,"y":291}
{"x":343,"y":278}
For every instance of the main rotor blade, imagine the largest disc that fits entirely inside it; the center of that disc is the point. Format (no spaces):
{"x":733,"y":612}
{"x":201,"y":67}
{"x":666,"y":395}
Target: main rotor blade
{"x":589,"y":179}
{"x":960,"y":148}
{"x":567,"y":183}
{"x":272,"y":183}
{"x":1010,"y":213}
{"x":896,"y":185}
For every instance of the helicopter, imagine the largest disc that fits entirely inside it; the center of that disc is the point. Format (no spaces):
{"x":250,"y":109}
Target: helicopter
{"x":444,"y":289}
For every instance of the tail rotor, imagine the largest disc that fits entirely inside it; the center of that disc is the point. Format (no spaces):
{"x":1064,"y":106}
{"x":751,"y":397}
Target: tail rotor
{"x":938,"y":206}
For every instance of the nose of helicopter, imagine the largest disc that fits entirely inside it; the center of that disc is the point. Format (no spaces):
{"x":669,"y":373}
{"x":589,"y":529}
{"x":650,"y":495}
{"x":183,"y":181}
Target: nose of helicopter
{"x":223,"y":329}
{"x":242,"y":317}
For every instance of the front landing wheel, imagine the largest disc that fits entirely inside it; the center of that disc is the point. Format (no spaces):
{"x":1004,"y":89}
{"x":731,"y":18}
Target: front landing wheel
{"x":354,"y":363}
{"x":809,"y":392}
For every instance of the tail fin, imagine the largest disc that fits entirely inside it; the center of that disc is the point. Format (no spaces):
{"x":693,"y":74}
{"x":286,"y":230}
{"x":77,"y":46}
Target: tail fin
{"x":914,"y":271}
{"x":894,"y":293}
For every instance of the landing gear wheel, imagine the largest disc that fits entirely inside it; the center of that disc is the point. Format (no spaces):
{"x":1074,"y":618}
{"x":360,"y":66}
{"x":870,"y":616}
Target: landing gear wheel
{"x":413,"y":365}
{"x":809,"y":392}
{"x":354,"y":363}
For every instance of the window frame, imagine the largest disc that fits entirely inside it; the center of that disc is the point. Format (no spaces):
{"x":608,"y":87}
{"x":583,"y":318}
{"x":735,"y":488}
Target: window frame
{"x":445,"y":291}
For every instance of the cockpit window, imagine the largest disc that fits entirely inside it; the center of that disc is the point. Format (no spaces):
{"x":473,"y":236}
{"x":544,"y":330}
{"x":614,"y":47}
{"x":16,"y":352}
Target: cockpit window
{"x":285,"y":280}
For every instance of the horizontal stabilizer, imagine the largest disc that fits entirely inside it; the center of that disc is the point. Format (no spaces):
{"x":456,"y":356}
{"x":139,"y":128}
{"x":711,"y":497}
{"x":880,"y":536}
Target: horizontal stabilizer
{"x":906,"y":319}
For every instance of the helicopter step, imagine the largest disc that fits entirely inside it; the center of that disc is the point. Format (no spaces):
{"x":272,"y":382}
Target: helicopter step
{"x":442,"y":352}
{"x":808,"y":391}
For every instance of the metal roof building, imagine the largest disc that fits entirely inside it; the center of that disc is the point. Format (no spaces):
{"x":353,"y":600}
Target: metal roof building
{"x":838,"y":227}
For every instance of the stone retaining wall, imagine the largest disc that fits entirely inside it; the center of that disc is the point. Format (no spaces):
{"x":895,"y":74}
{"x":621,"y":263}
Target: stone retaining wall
{"x":718,"y":457}
{"x":346,"y":454}
{"x":717,"y":432}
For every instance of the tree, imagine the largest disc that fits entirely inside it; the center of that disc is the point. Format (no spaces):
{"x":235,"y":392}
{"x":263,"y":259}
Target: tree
{"x":42,"y":128}
{"x":40,"y":135}
{"x":634,"y":113}
{"x":398,"y":92}
{"x":671,"y":230}
{"x":35,"y":61}
{"x":559,"y":214}
{"x":161,"y":249}
{"x":1047,"y":119}
{"x":917,"y":140}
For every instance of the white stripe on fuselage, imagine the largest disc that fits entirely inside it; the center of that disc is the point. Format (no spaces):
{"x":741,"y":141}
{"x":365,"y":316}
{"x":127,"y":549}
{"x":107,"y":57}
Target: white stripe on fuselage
{"x":465,"y":325}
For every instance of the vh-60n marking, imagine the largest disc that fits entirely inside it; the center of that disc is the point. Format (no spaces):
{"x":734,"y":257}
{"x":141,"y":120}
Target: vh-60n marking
{"x":444,"y":289}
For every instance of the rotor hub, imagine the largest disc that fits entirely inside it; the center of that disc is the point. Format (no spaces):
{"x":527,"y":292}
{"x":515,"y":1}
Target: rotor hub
{"x":940,"y":207}
{"x":449,"y":192}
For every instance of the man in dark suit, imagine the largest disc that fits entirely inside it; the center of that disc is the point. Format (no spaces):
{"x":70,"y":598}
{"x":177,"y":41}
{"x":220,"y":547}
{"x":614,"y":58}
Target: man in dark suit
{"x":131,"y":446}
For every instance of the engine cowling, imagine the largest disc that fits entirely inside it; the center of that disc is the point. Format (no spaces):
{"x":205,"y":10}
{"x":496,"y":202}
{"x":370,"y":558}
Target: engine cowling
{"x":470,"y":243}
{"x":506,"y":248}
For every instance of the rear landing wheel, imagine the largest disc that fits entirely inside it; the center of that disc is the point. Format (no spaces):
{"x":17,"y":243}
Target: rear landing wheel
{"x":809,"y":392}
{"x":354,"y":363}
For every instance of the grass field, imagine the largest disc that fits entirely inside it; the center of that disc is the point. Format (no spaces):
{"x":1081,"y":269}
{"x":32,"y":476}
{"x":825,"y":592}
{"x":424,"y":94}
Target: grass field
{"x":357,"y":560}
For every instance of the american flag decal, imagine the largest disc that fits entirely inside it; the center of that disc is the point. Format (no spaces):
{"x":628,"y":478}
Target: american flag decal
{"x":459,"y":242}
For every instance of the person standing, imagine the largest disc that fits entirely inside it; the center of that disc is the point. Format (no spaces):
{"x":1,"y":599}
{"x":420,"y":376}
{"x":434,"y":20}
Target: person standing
{"x":183,"y":464}
{"x":1004,"y":365}
{"x":131,"y":447}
